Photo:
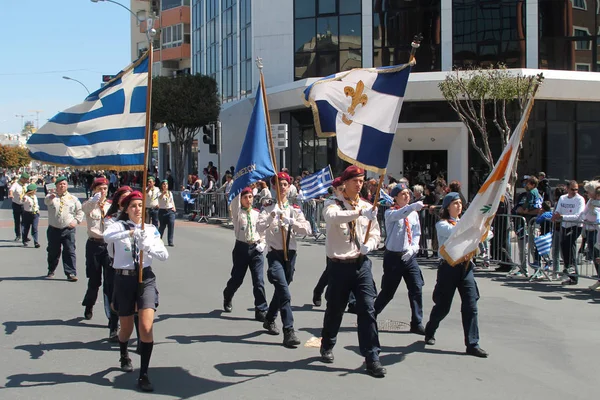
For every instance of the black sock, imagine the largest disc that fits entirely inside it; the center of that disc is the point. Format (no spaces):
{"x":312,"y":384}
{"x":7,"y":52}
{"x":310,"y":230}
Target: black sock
{"x":123,"y":348}
{"x":145,"y":353}
{"x":113,"y":322}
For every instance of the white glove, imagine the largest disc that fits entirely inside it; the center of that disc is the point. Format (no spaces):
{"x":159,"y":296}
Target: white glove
{"x":139,"y":234}
{"x":273,"y":209}
{"x":261,"y":246}
{"x":97,"y":197}
{"x":370,"y":213}
{"x":417,"y":206}
{"x":408,"y":255}
{"x":364,"y":249}
{"x":288,"y":220}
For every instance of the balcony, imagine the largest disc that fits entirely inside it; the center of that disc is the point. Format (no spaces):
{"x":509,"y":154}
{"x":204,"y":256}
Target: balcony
{"x":174,"y":16}
{"x":173,"y":53}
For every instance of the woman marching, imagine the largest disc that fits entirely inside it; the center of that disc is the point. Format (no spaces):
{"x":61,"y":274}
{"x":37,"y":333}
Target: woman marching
{"x":166,"y":211}
{"x":129,"y":240}
{"x":449,"y":279}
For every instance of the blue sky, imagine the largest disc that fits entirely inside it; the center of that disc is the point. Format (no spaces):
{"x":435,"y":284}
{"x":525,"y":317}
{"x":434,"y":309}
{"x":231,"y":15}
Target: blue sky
{"x":46,"y":39}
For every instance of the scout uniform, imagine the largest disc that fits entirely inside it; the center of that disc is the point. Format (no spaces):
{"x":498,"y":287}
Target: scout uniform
{"x":350,"y":271}
{"x":152,"y":204}
{"x":31,"y":215}
{"x":16,"y":193}
{"x":62,"y":211}
{"x":166,"y":213}
{"x":449,"y":279}
{"x":399,"y":261}
{"x":280,"y":272}
{"x":97,"y":260}
{"x":247,"y":253}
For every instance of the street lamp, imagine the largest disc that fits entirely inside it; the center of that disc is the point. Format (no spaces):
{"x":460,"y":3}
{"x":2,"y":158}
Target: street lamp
{"x":72,"y":79}
{"x":150,"y":31}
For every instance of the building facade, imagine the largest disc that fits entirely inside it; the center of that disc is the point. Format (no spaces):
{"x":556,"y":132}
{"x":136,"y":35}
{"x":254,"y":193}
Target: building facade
{"x":301,"y":40}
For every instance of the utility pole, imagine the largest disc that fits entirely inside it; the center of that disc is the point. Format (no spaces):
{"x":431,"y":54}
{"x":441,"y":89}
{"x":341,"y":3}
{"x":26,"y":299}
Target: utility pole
{"x":37,"y":118}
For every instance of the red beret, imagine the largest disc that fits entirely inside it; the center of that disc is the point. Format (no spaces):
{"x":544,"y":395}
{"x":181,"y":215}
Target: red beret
{"x":99,"y":182}
{"x":135,"y":195}
{"x":352,"y":172}
{"x":246,"y":191}
{"x":337,"y":182}
{"x":283,"y":176}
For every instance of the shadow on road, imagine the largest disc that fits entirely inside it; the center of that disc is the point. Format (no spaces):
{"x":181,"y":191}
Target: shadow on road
{"x":569,"y":292}
{"x":169,"y":381}
{"x":220,"y":314}
{"x":11,"y":326}
{"x":223,"y":339}
{"x":391,"y":353}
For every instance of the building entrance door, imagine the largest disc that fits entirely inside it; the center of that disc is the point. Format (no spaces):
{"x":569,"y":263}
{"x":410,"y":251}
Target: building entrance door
{"x":424,"y":166}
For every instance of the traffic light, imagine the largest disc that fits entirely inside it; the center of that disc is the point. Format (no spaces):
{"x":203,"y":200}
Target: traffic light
{"x":209,"y":134}
{"x":216,"y":147}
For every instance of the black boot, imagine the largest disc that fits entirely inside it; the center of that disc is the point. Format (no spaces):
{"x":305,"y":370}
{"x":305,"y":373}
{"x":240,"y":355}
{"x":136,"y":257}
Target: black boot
{"x":227,"y":307}
{"x":125,"y":361}
{"x":289,"y":338}
{"x":260,"y":316}
{"x":317,"y":299}
{"x":144,"y":384}
{"x":374,"y":368}
{"x":89,"y":312}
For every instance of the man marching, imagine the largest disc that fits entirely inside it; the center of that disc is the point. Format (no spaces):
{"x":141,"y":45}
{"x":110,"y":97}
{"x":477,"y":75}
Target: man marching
{"x":97,"y":260}
{"x":64,"y":214}
{"x":31,"y":215}
{"x":16,"y":193}
{"x":399,"y":261}
{"x":152,"y":193}
{"x":247,"y":253}
{"x":350,"y":269}
{"x":271,"y":222}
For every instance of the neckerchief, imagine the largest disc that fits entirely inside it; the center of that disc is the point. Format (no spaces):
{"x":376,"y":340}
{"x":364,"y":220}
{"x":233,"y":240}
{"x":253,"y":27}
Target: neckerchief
{"x":22,"y":194}
{"x":34,"y":208}
{"x":62,"y":202}
{"x":452,"y":221}
{"x":102,"y":214}
{"x":249,"y":231}
{"x":166,"y":196}
{"x":408,"y":231}
{"x":135,"y":250}
{"x":352,"y":224}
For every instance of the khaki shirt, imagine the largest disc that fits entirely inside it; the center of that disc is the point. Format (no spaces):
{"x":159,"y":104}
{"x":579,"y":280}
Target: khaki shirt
{"x":271,"y":227}
{"x":62,"y":217}
{"x":337,"y":242}
{"x":244,"y":231}
{"x":94,"y":216}
{"x":166,"y":202}
{"x":152,"y":197}
{"x":17,"y":191}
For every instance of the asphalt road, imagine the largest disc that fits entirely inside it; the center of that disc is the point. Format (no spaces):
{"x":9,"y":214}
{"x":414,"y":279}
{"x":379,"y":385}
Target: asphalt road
{"x":543,"y":339}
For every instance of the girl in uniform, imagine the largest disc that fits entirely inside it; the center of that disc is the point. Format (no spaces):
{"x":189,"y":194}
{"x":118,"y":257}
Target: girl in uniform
{"x":450,"y":278}
{"x":129,"y":240}
{"x":31,"y":215}
{"x":166,"y":211}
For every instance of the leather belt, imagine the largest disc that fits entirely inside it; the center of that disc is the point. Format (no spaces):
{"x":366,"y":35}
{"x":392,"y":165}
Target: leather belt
{"x":96,"y":240}
{"x":347,"y":260}
{"x":126,"y":272}
{"x":400,"y":253}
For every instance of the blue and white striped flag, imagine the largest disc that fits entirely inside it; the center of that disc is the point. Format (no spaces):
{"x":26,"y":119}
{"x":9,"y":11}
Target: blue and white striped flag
{"x":106,"y":131}
{"x":316,"y":184}
{"x":543,"y":243}
{"x":361,"y":107}
{"x":389,"y":200}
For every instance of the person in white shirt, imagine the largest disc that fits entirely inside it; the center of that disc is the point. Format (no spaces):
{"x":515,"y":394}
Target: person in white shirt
{"x":568,"y":210}
{"x":15,"y":193}
{"x":129,"y":241}
{"x":3,"y":185}
{"x":400,"y":258}
{"x":449,"y":279}
{"x":247,"y":254}
{"x":64,"y":214}
{"x":31,"y":215}
{"x":278,"y":225}
{"x":152,"y":193}
{"x":166,"y":212}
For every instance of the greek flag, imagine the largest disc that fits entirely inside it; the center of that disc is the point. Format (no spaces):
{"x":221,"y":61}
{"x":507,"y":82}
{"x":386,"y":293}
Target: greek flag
{"x":361,"y":107}
{"x":106,"y":131}
{"x":316,"y":184}
{"x":386,"y":197}
{"x":543,"y":243}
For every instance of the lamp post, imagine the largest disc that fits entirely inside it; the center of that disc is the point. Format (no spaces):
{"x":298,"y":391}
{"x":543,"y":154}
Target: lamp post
{"x":81,"y":83}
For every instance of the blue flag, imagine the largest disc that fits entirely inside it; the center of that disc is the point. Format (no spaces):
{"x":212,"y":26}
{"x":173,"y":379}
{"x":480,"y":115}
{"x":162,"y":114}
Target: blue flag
{"x":255,"y":161}
{"x":106,"y":131}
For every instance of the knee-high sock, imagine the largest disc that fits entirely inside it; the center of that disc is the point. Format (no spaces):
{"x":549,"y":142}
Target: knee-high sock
{"x":123,"y":348}
{"x":145,"y":354}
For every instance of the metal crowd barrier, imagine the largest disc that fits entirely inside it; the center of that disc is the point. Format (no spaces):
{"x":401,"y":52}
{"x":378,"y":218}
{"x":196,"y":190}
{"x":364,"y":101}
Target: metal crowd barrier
{"x":211,"y":206}
{"x":572,"y":250}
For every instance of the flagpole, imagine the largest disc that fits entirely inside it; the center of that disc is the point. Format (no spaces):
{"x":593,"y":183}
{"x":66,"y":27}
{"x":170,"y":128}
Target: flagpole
{"x":272,"y":151}
{"x":146,"y":152}
{"x":416,"y":43}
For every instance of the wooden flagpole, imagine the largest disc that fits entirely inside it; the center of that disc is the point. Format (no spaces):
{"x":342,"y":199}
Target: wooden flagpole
{"x":272,"y":152}
{"x":146,"y":152}
{"x":416,"y":43}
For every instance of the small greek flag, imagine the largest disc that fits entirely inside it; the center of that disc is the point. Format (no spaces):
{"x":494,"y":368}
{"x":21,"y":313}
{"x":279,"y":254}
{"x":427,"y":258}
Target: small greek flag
{"x":316,"y":184}
{"x":386,"y":197}
{"x":543,"y":243}
{"x":361,"y":108}
{"x":106,"y":131}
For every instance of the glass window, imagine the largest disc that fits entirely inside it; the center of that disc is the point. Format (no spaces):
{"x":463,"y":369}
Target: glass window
{"x":582,"y":67}
{"x":350,"y":27}
{"x":350,"y":7}
{"x":327,"y":33}
{"x":581,"y":4}
{"x":305,"y":35}
{"x":588,"y":142}
{"x":559,"y":150}
{"x":394,"y":25}
{"x":168,"y":4}
{"x":582,"y":44}
{"x":304,"y":8}
{"x":327,"y":6}
{"x":327,"y":64}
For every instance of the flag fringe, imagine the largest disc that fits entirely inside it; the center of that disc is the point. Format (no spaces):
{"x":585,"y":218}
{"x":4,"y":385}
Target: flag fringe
{"x":378,"y":171}
{"x":119,"y":168}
